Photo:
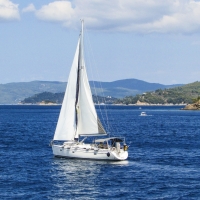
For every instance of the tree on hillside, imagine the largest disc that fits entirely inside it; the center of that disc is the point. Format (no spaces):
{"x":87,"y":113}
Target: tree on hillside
{"x":196,"y":99}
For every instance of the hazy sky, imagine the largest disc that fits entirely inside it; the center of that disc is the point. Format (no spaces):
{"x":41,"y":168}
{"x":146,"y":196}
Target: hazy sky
{"x":151,"y":40}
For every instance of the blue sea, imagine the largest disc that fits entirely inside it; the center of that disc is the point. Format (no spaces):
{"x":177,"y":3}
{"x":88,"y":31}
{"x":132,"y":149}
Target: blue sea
{"x":163,"y":163}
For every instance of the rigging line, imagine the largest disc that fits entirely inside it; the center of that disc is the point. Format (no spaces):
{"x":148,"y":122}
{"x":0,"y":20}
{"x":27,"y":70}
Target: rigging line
{"x":91,"y":70}
{"x":105,"y":107}
{"x":101,"y":111}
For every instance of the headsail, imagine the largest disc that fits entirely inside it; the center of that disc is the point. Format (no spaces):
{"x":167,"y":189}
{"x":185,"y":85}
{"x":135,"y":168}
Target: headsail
{"x":66,"y":126}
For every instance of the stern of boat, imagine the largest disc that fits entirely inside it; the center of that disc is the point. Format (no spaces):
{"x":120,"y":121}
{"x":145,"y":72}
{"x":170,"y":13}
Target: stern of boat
{"x":122,"y":155}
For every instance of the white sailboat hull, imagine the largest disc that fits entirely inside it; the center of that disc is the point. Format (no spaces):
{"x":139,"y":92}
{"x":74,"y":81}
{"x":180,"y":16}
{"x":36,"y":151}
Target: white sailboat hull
{"x":86,"y":151}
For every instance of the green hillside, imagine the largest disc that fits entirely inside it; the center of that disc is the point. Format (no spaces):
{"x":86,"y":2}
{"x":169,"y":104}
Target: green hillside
{"x":178,"y":95}
{"x":12,"y":93}
{"x":57,"y":98}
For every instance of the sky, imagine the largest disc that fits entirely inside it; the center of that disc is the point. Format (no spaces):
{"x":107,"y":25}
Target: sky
{"x":151,"y":40}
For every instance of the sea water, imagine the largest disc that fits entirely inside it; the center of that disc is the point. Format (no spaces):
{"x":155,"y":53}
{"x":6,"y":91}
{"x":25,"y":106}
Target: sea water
{"x":163,"y":163}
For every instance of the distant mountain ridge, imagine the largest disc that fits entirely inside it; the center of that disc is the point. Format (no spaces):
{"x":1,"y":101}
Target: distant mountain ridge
{"x":179,"y":95}
{"x":131,"y":83}
{"x":12,"y":93}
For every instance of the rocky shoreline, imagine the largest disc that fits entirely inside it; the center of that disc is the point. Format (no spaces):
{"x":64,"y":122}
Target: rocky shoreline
{"x":194,"y":106}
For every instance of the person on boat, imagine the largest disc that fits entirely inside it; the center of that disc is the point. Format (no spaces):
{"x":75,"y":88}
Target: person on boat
{"x":100,"y":145}
{"x":103,"y":145}
{"x":112,"y":143}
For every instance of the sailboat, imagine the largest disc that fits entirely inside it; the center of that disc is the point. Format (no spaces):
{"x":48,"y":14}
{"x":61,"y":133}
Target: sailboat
{"x":78,"y":118}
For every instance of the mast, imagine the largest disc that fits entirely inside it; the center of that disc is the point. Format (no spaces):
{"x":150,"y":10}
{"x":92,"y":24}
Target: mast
{"x":80,"y":66}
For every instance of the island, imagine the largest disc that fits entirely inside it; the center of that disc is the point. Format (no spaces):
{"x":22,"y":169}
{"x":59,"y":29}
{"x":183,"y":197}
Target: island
{"x":183,"y":95}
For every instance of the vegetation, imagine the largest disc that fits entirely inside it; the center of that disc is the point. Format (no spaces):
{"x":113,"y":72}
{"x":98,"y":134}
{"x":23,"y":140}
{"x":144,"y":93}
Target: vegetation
{"x":195,"y":100}
{"x":186,"y":94}
{"x":13,"y":93}
{"x":48,"y":97}
{"x":179,"y":95}
{"x":133,"y":89}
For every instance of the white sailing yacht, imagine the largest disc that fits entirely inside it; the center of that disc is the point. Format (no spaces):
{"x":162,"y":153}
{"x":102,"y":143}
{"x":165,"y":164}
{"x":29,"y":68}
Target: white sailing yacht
{"x":78,"y":117}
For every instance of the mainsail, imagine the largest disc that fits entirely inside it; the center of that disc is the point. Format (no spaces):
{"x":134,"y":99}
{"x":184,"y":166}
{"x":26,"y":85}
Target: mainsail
{"x":78,"y":115}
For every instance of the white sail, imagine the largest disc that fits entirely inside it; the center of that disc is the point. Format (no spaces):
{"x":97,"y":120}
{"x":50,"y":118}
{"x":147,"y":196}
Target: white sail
{"x":88,"y":122}
{"x":78,"y":115}
{"x":66,"y":126}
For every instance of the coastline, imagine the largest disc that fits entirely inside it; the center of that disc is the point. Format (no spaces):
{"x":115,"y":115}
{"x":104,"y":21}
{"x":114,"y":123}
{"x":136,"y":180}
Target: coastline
{"x":39,"y":104}
{"x":194,"y":106}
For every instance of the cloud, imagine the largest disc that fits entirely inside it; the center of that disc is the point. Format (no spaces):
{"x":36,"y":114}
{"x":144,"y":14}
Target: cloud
{"x":141,"y":16}
{"x":29,"y":8}
{"x":8,"y":11}
{"x":58,"y":11}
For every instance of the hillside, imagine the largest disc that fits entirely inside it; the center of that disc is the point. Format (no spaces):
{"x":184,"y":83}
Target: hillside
{"x":122,"y":88}
{"x":178,"y":95}
{"x":49,"y":97}
{"x":12,"y":93}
